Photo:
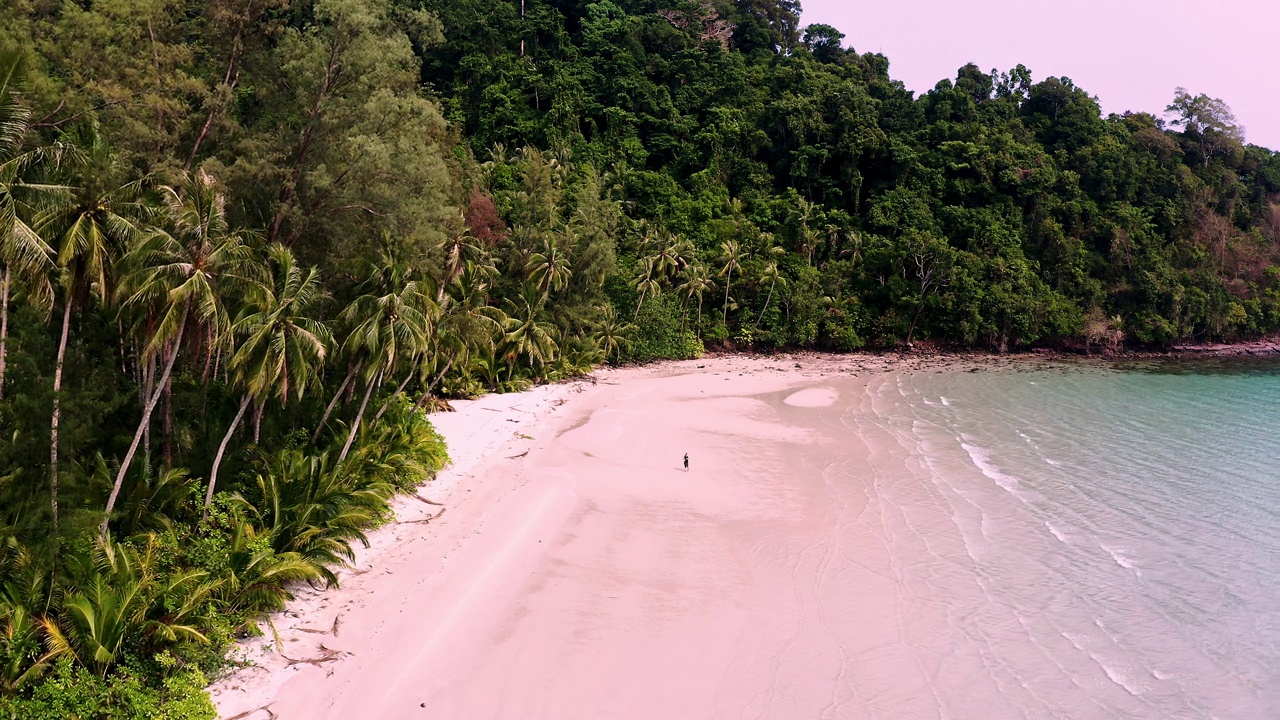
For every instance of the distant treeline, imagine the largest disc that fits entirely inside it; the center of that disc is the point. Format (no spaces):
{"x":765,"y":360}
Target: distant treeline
{"x":244,"y":242}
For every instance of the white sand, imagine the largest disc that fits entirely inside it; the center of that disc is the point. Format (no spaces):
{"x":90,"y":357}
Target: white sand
{"x":577,"y":571}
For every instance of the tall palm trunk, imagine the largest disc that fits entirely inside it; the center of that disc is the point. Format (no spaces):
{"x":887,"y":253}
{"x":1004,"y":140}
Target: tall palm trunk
{"x":426,"y":394}
{"x":4,"y":327}
{"x":727,"y":282}
{"x":766,"y":302}
{"x":355,"y":426}
{"x":637,"y":315}
{"x":351,"y":373}
{"x":399,"y":389}
{"x":57,"y":410}
{"x":257,"y":420}
{"x":146,"y":421}
{"x":222,"y":449}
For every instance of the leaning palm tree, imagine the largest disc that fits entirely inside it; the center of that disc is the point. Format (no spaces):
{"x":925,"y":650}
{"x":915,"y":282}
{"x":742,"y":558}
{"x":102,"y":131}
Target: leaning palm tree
{"x":648,"y":282}
{"x":389,"y":323}
{"x":91,"y":229}
{"x":731,"y":255}
{"x":283,"y":345}
{"x":770,"y":273}
{"x":183,"y":271}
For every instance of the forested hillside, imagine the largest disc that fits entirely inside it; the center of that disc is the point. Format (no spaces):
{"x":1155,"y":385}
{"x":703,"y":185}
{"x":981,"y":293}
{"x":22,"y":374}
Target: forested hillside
{"x":243,"y":241}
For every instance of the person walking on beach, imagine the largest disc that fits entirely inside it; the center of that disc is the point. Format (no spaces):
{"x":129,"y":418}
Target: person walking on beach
{"x":686,"y":462}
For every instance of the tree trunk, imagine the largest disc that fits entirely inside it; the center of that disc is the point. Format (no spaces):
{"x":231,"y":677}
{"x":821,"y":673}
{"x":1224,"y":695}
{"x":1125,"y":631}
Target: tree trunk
{"x":399,"y":389}
{"x":355,"y":426}
{"x":166,"y":446}
{"x":142,"y":426}
{"x":766,"y":302}
{"x":637,"y":315}
{"x":222,"y":449}
{"x":724,"y":318}
{"x":4,"y":327}
{"x":426,"y":394}
{"x":57,"y":410}
{"x":148,"y":385}
{"x":334,"y":402}
{"x":916,"y":316}
{"x":257,"y":420}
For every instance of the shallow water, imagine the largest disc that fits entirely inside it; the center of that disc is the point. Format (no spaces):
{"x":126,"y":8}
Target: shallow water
{"x":1086,"y":542}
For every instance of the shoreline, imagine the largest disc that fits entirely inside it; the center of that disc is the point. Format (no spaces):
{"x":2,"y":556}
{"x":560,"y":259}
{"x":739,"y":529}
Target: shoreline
{"x":489,"y":440}
{"x":453,"y":581}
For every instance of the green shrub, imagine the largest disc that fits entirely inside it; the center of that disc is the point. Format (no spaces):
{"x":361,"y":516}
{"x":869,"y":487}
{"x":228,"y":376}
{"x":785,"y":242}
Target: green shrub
{"x":659,"y":335}
{"x":74,"y":692}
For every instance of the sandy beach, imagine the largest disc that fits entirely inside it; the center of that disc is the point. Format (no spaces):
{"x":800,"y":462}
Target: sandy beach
{"x":574,"y":569}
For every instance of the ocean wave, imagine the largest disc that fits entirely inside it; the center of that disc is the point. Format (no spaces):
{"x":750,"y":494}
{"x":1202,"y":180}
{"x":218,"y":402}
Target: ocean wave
{"x":1117,"y":554}
{"x":981,"y":459}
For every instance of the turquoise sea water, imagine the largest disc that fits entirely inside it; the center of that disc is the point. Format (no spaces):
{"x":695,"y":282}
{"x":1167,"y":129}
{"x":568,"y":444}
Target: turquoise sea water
{"x":1083,"y":542}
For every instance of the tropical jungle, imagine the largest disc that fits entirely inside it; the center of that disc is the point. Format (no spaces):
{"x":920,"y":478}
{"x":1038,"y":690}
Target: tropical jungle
{"x":247,"y":245}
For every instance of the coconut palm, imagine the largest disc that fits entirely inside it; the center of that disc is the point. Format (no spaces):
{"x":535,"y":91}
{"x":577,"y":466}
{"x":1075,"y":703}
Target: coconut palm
{"x":459,"y":251}
{"x":697,"y":281}
{"x":731,"y":255}
{"x":182,"y":273}
{"x":648,"y":282}
{"x":611,"y":336}
{"x":90,"y":229}
{"x":770,"y":272}
{"x":771,"y":275}
{"x":670,"y":253}
{"x":549,"y":269}
{"x":24,"y":255}
{"x":390,"y":323}
{"x":283,"y":345}
{"x":467,"y":323}
{"x":526,"y":335}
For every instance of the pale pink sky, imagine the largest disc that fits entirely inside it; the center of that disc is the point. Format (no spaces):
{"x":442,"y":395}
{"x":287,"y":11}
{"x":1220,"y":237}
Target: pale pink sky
{"x":1130,"y":54}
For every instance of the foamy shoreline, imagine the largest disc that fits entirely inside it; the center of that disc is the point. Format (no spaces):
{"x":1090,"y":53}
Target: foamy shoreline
{"x":439,"y":581}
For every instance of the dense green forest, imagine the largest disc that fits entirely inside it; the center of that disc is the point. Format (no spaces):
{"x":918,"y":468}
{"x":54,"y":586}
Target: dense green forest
{"x":243,"y":243}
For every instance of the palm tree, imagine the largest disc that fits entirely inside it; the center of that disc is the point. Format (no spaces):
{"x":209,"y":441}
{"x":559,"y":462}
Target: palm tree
{"x":526,"y":335}
{"x":460,"y":250}
{"x":183,"y":271}
{"x":283,"y":346}
{"x":670,"y":251}
{"x":807,"y":237}
{"x":611,"y":336}
{"x":92,"y":229}
{"x":697,"y":281}
{"x":24,"y":255}
{"x":648,"y":282}
{"x":770,"y":273}
{"x":549,"y":269}
{"x":390,"y":322}
{"x":466,"y":322}
{"x":731,"y":255}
